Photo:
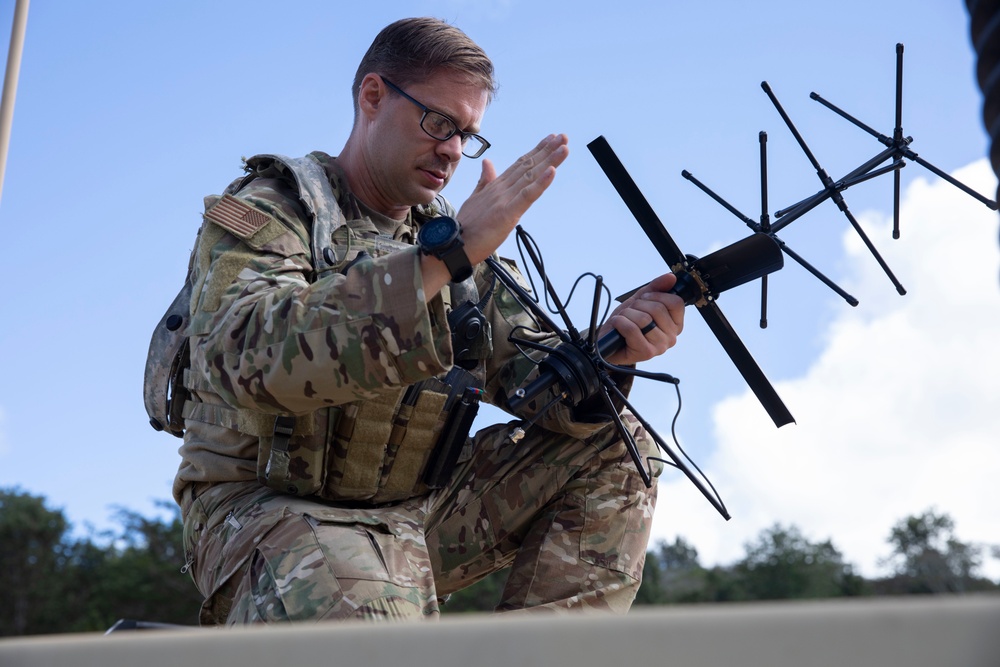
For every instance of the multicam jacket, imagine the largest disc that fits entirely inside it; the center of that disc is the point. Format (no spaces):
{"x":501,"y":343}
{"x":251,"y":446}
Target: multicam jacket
{"x":334,"y":361}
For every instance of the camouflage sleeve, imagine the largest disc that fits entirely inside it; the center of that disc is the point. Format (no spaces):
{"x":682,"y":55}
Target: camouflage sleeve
{"x":268,"y":338}
{"x":511,"y":368}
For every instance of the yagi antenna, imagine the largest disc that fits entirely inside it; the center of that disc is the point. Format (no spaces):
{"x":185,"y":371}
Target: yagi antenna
{"x":575,"y":369}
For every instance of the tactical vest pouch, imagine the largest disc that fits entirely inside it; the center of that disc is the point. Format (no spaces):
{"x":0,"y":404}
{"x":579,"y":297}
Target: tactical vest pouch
{"x":452,"y":440}
{"x":291,"y":451}
{"x":415,"y":435}
{"x":373,"y":451}
{"x":358,"y":449}
{"x":379,"y":449}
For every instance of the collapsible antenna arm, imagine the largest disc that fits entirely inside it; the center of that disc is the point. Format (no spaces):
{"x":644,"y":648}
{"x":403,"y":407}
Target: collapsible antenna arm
{"x":765,"y":221}
{"x":899,"y":146}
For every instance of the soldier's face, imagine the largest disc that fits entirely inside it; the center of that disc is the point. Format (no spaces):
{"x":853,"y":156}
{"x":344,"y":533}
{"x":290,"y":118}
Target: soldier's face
{"x":413,"y":167}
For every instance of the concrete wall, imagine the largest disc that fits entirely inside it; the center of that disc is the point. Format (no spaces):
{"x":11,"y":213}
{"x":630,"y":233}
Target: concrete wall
{"x":910,"y":632}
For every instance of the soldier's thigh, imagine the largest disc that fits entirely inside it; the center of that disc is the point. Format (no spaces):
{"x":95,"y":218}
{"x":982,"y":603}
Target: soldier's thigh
{"x":329,"y":563}
{"x":477,"y":526}
{"x":545,"y":491}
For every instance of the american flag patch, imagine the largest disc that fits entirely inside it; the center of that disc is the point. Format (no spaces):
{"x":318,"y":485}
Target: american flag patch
{"x":236,"y":216}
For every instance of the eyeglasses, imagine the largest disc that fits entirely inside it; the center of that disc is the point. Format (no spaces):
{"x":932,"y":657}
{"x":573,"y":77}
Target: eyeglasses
{"x":442,"y":128}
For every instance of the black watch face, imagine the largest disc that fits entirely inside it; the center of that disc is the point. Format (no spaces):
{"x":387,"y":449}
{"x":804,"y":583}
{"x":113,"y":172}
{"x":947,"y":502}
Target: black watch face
{"x":437,"y":232}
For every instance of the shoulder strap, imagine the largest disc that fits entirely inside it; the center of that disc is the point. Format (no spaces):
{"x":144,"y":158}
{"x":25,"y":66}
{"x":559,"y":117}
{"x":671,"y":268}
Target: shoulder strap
{"x":317,"y":196}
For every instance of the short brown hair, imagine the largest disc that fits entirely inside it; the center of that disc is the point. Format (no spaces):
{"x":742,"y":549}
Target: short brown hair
{"x":412,"y":50}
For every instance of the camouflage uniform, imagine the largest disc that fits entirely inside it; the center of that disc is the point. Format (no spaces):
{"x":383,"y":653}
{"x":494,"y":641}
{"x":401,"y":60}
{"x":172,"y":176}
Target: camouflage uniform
{"x":271,"y":334}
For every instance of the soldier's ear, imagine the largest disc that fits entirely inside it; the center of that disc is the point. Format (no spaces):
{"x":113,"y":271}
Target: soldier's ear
{"x":372,"y":94}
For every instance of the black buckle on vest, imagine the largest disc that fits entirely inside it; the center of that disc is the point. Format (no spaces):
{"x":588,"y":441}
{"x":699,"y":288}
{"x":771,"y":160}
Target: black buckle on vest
{"x":284,"y":425}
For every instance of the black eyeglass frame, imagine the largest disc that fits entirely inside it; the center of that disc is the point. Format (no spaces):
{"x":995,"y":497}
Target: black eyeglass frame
{"x":464,"y":136}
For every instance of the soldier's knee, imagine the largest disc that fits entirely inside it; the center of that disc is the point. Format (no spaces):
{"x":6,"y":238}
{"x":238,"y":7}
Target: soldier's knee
{"x":325,"y":598}
{"x":313,"y":569}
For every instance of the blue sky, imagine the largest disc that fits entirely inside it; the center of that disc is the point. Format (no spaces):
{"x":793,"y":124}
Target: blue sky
{"x":129,"y":113}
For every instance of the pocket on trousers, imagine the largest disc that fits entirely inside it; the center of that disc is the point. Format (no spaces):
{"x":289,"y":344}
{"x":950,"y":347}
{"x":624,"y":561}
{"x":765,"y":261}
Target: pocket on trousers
{"x":617,"y":521}
{"x":291,"y":578}
{"x":372,"y":545}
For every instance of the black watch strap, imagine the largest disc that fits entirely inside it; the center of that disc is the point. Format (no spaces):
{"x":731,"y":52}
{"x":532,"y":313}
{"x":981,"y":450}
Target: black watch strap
{"x":457,"y":262}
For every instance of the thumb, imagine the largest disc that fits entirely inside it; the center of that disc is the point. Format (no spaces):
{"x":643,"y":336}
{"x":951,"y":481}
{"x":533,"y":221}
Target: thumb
{"x":664,"y":282}
{"x":487,"y":176}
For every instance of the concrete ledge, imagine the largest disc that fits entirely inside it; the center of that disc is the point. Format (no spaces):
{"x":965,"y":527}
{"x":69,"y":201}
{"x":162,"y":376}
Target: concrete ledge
{"x":912,"y":631}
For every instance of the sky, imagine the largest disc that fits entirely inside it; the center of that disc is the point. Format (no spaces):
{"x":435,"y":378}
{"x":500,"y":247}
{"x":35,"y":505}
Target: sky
{"x":128,"y":114}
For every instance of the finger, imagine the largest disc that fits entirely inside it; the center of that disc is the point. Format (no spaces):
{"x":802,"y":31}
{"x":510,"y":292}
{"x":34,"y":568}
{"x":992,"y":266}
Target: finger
{"x":554,"y":151}
{"x":547,"y":146}
{"x":666,"y":309}
{"x":642,"y":343}
{"x":659,"y":338}
{"x":528,"y":183}
{"x":551,"y":151}
{"x":634,"y":324}
{"x":660,"y":325}
{"x":534,"y":185}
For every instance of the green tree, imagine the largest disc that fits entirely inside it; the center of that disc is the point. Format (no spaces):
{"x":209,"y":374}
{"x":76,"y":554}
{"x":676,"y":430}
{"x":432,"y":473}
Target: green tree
{"x":32,"y":564}
{"x":54,"y":583}
{"x":927,"y":557}
{"x":86,"y":570}
{"x":684,"y":577}
{"x":142,"y":578}
{"x":782,"y":564}
{"x":672,"y":574}
{"x":653,"y":589}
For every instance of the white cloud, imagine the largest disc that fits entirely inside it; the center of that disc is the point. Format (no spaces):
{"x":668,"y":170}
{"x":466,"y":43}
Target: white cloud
{"x":898,"y":414}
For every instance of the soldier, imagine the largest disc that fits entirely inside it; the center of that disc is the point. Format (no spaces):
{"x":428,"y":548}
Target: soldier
{"x":323,"y":366}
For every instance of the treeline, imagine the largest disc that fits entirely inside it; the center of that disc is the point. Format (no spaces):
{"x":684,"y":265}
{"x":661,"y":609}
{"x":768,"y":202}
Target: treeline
{"x":54,"y":582}
{"x":781,"y":564}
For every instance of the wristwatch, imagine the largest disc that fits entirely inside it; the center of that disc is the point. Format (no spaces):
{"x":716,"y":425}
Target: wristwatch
{"x":442,"y":238}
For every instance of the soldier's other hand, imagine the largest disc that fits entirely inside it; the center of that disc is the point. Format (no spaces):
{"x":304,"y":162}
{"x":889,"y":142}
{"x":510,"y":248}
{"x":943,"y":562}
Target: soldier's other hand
{"x":651,"y":302}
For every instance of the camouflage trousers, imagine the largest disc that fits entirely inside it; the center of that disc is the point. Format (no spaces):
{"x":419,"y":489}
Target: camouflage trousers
{"x":571,"y":517}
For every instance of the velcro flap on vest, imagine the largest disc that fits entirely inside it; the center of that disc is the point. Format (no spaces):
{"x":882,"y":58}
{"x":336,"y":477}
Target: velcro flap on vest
{"x":417,"y":443}
{"x":366,"y":445}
